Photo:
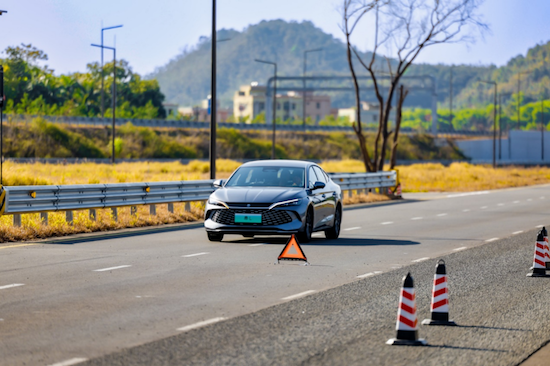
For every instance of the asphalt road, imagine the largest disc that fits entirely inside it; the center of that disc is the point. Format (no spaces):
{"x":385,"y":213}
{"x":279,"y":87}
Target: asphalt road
{"x":83,"y":300}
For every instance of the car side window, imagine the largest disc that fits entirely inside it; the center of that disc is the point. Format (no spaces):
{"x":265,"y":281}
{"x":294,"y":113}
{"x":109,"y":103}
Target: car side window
{"x":320,"y":175}
{"x":312,"y":178}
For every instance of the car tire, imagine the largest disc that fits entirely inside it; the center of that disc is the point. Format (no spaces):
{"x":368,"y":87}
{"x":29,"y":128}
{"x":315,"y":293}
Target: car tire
{"x":214,"y":236}
{"x":305,"y":235}
{"x":334,"y":231}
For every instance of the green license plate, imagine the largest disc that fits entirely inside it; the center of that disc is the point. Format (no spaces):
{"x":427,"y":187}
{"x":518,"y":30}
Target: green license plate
{"x":248,"y":218}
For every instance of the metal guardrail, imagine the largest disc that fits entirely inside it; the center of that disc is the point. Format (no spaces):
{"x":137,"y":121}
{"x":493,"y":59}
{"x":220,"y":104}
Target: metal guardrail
{"x":17,"y":200}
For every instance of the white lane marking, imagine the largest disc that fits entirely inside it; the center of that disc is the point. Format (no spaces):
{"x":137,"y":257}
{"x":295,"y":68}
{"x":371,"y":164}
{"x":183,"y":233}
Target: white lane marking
{"x":539,"y":226}
{"x":441,"y":214}
{"x":466,"y":210}
{"x":459,"y":249}
{"x":420,"y":260}
{"x":490,"y":240}
{"x":112,"y":268}
{"x":500,"y":204}
{"x":483,"y":207}
{"x":417,"y":218}
{"x":11,"y":286}
{"x":529,"y":199}
{"x":387,"y":223}
{"x":541,"y":197}
{"x":301,"y":294}
{"x":255,"y":245}
{"x":515,"y":202}
{"x":369,"y":274}
{"x":72,"y":361}
{"x":200,"y":324}
{"x":194,"y":255}
{"x":467,"y":194}
{"x":353,"y":228}
{"x":517,"y":232}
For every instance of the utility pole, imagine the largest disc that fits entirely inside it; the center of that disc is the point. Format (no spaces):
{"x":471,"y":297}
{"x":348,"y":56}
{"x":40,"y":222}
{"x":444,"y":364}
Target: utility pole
{"x":102,"y":74}
{"x":451,"y":98}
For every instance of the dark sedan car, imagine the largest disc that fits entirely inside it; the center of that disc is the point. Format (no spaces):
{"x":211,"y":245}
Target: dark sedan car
{"x":274,"y":197}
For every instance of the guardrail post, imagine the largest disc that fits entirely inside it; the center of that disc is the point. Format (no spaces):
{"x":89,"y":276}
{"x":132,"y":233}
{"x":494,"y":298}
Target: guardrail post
{"x":152,"y":209}
{"x":114,"y":211}
{"x":187,"y":206}
{"x":350,"y":193}
{"x":44,"y":218}
{"x":69,"y":217}
{"x":17,"y":220}
{"x":133,"y":210}
{"x":92,"y":214}
{"x":171,"y":207}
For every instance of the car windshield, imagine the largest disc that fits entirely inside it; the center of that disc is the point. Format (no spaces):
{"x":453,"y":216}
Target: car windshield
{"x":271,"y":176}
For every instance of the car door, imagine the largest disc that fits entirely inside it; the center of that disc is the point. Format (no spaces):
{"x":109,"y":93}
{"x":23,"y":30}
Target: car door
{"x":316,"y":198}
{"x":327,"y":196}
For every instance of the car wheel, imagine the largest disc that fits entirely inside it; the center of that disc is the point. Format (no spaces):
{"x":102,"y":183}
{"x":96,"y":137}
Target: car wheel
{"x":305,"y":235}
{"x":334,"y":231}
{"x":214,"y":236}
{"x":248,"y":235}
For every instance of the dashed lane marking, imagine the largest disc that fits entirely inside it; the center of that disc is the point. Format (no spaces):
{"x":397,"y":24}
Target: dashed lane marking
{"x":200,"y":324}
{"x":529,"y":199}
{"x":387,"y":223}
{"x":18,"y":245}
{"x":466,"y":210}
{"x":301,"y":294}
{"x":441,"y":214}
{"x":515,"y":202}
{"x":517,"y":232}
{"x":483,"y":207}
{"x":539,"y":226}
{"x":353,"y":228}
{"x":194,"y":255}
{"x":467,"y":194}
{"x":459,"y":249}
{"x":541,"y":197}
{"x":490,"y":240}
{"x":417,"y":218}
{"x":72,"y":361}
{"x":255,"y":245}
{"x":112,"y":268}
{"x":11,"y":286}
{"x":369,"y":274}
{"x":500,"y":204}
{"x":420,"y":260}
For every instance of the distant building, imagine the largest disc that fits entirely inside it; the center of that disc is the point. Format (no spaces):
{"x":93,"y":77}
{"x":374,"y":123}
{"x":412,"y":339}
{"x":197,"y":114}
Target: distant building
{"x":250,"y":100}
{"x":201,"y":113}
{"x":369,"y":113}
{"x":171,"y":109}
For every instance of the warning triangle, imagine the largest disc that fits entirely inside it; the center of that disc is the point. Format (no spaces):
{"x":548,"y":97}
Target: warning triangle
{"x":292,"y":251}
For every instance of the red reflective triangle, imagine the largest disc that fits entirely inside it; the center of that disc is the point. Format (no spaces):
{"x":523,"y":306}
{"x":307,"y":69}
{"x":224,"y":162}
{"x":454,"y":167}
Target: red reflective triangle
{"x":292,"y":251}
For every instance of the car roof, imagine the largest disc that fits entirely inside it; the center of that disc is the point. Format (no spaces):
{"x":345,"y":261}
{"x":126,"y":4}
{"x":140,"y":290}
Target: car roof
{"x":285,"y":163}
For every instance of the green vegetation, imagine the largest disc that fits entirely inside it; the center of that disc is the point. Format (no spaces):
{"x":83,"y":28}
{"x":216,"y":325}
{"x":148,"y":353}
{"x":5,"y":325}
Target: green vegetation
{"x":41,"y":139}
{"x":34,"y":89}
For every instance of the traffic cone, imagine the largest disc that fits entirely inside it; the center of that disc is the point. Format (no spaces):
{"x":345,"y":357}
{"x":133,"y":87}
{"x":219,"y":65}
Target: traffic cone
{"x":440,"y":298}
{"x":547,"y":248}
{"x":407,"y":322}
{"x":539,"y":265}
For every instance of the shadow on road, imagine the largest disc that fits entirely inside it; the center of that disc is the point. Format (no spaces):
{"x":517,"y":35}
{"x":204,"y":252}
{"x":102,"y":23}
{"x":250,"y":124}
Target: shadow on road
{"x":493,"y":328}
{"x":445,"y":346}
{"x":325,"y":242}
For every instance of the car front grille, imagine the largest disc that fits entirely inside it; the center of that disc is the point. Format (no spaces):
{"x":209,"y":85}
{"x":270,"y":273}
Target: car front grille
{"x":274,"y":217}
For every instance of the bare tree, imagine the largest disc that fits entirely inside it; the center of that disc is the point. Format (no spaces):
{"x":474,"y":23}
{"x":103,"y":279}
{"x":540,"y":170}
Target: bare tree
{"x":406,"y":27}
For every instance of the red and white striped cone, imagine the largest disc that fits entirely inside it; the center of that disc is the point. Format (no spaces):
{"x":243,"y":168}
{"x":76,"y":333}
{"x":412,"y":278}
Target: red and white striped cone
{"x":398,"y":191}
{"x":407,"y":322}
{"x":539,"y":264}
{"x":547,"y":248}
{"x":440,"y":298}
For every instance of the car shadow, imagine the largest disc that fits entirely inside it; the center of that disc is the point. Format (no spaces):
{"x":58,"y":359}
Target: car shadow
{"x":324,"y":242}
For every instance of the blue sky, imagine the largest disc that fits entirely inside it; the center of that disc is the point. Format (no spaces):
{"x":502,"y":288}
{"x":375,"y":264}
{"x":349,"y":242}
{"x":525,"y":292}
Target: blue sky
{"x":156,"y":31}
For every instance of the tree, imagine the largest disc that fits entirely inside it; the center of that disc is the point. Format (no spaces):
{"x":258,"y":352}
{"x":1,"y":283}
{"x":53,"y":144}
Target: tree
{"x":404,"y":28}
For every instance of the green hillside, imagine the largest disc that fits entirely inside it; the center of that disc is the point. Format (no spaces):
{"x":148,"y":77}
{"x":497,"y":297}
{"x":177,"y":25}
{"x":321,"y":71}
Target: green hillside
{"x":186,"y":79}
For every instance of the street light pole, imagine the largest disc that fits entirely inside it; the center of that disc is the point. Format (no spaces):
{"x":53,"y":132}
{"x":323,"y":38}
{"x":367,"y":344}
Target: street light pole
{"x":304,"y":82}
{"x":102,"y":76}
{"x":500,"y":127}
{"x":542,"y":127}
{"x":114,"y":98}
{"x":494,"y":120}
{"x":2,"y":100}
{"x":274,"y":104}
{"x":451,"y":99}
{"x":213,"y":98}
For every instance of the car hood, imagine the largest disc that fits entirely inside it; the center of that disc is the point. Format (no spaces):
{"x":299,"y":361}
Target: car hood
{"x":256,"y":194}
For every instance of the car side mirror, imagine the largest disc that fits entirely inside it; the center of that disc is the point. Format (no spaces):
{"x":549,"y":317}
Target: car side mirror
{"x":218,"y":183}
{"x":318,"y":185}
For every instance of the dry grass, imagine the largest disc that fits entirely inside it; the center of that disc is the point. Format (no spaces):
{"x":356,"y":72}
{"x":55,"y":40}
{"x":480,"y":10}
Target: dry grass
{"x":32,"y":227}
{"x":365,"y":198}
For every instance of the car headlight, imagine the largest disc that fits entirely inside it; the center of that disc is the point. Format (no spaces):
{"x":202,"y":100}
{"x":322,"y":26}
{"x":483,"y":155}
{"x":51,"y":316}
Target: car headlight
{"x":215,"y":202}
{"x":294,"y":202}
